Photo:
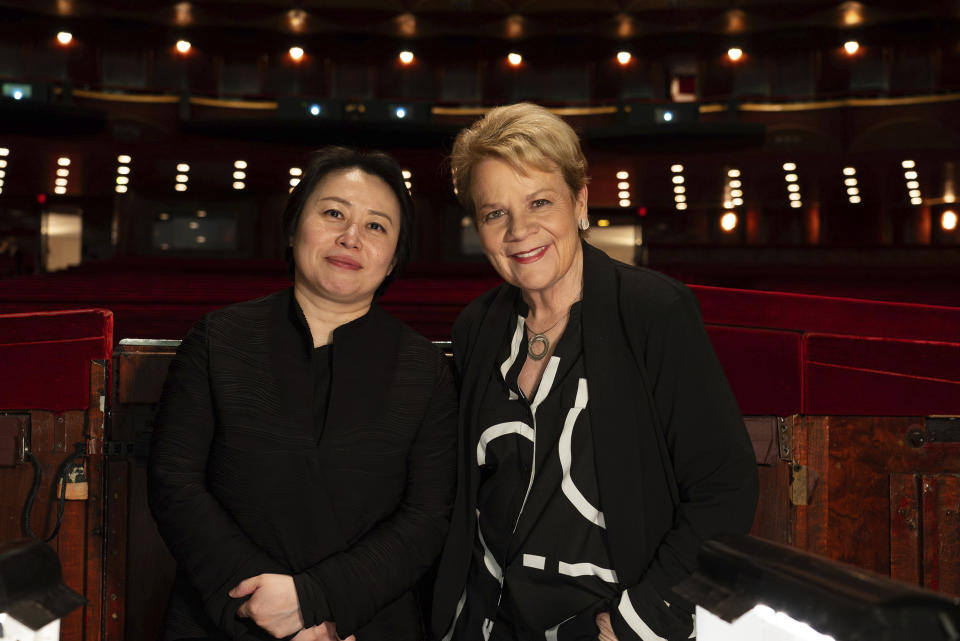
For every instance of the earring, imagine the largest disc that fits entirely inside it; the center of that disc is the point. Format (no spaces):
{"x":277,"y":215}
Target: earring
{"x":584,"y":224}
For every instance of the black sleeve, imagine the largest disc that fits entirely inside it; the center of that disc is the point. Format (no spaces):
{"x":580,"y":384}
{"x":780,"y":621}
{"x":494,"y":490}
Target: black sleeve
{"x":208,"y":545}
{"x":391,"y":557}
{"x":713,"y":463}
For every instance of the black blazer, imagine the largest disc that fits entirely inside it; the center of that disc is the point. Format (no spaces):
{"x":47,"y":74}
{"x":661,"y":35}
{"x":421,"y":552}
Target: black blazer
{"x":241,"y":483}
{"x":674,"y":462}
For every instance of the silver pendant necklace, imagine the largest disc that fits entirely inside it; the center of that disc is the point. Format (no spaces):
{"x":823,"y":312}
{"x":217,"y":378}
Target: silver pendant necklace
{"x":540,"y":338}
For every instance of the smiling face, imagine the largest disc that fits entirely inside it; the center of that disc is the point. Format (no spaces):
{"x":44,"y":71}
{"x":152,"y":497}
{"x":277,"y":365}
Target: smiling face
{"x":527,"y":225}
{"x":346,"y":239}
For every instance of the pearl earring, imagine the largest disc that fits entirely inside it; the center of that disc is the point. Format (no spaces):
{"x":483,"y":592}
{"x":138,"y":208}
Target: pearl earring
{"x":584,"y":224}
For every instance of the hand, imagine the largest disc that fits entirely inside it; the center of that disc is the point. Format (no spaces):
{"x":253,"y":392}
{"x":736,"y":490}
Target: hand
{"x":326,"y":631}
{"x":273,"y":603}
{"x":605,"y":627}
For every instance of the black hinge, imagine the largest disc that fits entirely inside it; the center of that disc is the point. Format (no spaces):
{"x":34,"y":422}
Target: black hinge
{"x":138,"y":449}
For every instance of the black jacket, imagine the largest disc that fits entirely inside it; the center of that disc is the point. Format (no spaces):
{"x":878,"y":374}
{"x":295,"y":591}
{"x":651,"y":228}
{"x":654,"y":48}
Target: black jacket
{"x":241,"y":482}
{"x":674,"y":461}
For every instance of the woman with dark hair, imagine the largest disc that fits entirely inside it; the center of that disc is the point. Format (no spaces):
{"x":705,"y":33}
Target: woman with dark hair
{"x":303,"y":463}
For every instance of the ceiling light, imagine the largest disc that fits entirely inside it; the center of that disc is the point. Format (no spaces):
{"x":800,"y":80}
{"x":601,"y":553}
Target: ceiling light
{"x":849,"y":171}
{"x":793,"y":187}
{"x":735,"y":184}
{"x":406,"y":57}
{"x":64,"y":38}
{"x":793,"y":196}
{"x":678,"y":179}
{"x":59,"y":190}
{"x":737,"y":202}
{"x":239,"y":175}
{"x":621,"y":175}
{"x":624,"y":57}
{"x":851,"y":47}
{"x":734,"y":53}
{"x":180,"y":187}
{"x":790,"y":178}
{"x":916,"y":201}
{"x":514,"y":59}
{"x":789,"y":166}
{"x":948,"y":221}
{"x":121,"y":189}
{"x":728,"y":222}
{"x":855,"y":199}
{"x":681,"y":206}
{"x":123,"y":170}
{"x":122,"y":180}
{"x":63,"y":162}
{"x":296,"y":171}
{"x":796,"y":204}
{"x":733,"y":173}
{"x":913,"y":184}
{"x":238,"y":185}
{"x":624,"y":203}
{"x":183,"y":46}
{"x":182,"y":167}
{"x":679,"y":189}
{"x":240,"y":164}
{"x":296,"y":53}
{"x":676,"y":168}
{"x":623,"y":185}
{"x":124,"y":159}
{"x":623,"y":194}
{"x":850,"y":182}
{"x":908,"y":164}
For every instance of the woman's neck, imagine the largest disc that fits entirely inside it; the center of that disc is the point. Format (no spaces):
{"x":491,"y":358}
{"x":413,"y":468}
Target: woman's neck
{"x":556,"y":300}
{"x":324,"y":316}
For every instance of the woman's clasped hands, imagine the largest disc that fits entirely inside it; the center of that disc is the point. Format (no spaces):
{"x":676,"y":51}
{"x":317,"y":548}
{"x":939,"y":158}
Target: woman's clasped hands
{"x":273,"y":605}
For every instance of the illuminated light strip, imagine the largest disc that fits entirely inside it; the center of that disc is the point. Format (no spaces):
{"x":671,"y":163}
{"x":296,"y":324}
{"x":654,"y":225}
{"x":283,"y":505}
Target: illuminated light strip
{"x":791,"y":177}
{"x":679,"y":188}
{"x":624,"y":195}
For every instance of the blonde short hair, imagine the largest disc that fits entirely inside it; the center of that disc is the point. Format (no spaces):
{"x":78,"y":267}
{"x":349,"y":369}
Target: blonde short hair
{"x":524,"y":135}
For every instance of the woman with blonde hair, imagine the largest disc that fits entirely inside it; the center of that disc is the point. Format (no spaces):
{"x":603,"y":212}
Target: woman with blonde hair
{"x":600,"y":441}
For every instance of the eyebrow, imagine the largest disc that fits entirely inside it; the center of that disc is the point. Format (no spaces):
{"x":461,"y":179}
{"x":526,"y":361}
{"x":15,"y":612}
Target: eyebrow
{"x":530,"y":196}
{"x":342,"y":201}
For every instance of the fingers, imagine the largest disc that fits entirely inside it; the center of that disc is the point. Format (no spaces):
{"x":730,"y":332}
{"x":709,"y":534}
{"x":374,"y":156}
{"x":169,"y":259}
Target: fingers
{"x":245,"y":587}
{"x":605,"y":627}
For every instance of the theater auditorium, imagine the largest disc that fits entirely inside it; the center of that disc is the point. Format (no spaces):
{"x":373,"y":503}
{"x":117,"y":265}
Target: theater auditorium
{"x":795,"y":164}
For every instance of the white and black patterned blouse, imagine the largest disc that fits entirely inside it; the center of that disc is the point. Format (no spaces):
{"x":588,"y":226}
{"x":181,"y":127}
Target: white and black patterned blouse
{"x":540,"y":566}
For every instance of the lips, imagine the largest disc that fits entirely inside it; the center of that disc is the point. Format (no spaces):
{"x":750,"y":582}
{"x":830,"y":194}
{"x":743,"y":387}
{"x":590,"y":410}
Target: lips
{"x":529,"y":256}
{"x":343,"y":262}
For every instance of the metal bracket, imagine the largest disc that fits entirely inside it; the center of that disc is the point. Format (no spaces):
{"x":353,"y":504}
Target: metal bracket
{"x":785,"y":438}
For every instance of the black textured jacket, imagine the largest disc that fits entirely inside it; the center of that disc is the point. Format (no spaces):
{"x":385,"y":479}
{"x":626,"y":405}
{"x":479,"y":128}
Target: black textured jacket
{"x":242,"y":483}
{"x":674,"y":461}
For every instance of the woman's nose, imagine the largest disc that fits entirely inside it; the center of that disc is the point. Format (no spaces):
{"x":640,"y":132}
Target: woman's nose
{"x":520,"y":226}
{"x":350,"y":236}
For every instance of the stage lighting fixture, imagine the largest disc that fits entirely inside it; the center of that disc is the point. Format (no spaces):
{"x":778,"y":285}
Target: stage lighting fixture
{"x":64,"y":38}
{"x":948,"y":221}
{"x":180,"y":187}
{"x":239,"y":175}
{"x":728,"y":222}
{"x":296,"y":53}
{"x":63,"y":161}
{"x":734,"y":53}
{"x":123,"y":159}
{"x":678,"y":180}
{"x":400,"y":113}
{"x":851,"y":47}
{"x":916,"y":201}
{"x":621,"y":175}
{"x":121,"y":189}
{"x":4,"y":151}
{"x":796,"y":204}
{"x":676,"y":168}
{"x":240,"y":164}
{"x":123,"y":180}
{"x":733,"y":173}
{"x":908,"y":164}
{"x":855,"y":200}
{"x":296,"y":171}
{"x":623,"y":58}
{"x":679,"y":189}
{"x":315,"y":110}
{"x":624,"y":202}
{"x":183,"y":167}
{"x":789,"y":166}
{"x":603,"y":222}
{"x":183,"y":46}
{"x":623,"y":185}
{"x":514,"y":59}
{"x":406,"y":57}
{"x":681,"y":206}
{"x":667,"y":116}
{"x":238,"y":185}
{"x":849,"y":171}
{"x":623,"y":194}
